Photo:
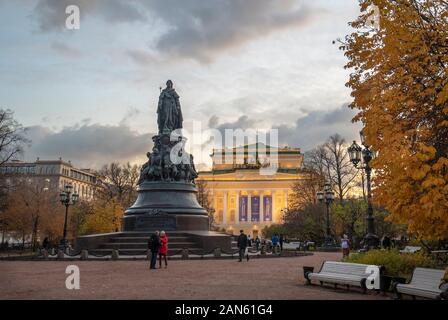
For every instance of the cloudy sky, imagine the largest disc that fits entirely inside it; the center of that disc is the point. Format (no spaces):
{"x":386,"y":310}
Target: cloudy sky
{"x":90,"y":95}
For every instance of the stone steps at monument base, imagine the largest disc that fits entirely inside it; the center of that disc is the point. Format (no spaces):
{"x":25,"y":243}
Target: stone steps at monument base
{"x":147,"y":234}
{"x":136,"y":243}
{"x":145,"y":239}
{"x":171,"y":251}
{"x":144,"y":245}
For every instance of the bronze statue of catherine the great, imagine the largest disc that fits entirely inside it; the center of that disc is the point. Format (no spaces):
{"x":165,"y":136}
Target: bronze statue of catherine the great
{"x":169,"y":113}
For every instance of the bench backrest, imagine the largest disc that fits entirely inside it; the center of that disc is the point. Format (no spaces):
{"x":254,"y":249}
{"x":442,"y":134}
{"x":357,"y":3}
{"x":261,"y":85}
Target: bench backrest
{"x":344,"y":268}
{"x":427,"y":278}
{"x":411,"y":249}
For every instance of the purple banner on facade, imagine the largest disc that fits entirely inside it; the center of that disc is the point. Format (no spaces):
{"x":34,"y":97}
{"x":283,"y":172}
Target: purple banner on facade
{"x":267,"y":208}
{"x":243,"y":208}
{"x":255,"y":206}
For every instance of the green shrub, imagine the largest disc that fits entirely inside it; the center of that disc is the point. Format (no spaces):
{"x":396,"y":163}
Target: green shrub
{"x":397,"y":264}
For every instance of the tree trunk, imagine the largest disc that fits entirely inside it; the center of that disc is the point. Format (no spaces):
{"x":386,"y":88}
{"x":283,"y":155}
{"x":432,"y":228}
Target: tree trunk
{"x":34,"y":236}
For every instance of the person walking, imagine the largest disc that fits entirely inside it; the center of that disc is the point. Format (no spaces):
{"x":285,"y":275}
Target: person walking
{"x":154,"y":245}
{"x":45,"y":243}
{"x":274,"y":240}
{"x":163,"y":250}
{"x":242,"y":245}
{"x":281,"y":242}
{"x":386,"y":242}
{"x":257,"y":243}
{"x":345,"y":244}
{"x":249,"y":241}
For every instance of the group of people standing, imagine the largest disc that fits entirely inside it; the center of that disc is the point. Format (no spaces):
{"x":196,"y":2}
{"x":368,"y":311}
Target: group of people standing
{"x":158,"y":244}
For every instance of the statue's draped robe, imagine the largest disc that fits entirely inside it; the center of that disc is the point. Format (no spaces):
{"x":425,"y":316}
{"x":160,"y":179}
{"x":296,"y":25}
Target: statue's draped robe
{"x":169,"y":112}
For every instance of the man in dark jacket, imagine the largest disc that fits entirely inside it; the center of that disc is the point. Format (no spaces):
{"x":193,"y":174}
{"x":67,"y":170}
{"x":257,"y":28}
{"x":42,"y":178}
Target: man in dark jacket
{"x":45,"y":243}
{"x":242,"y":245}
{"x":154,"y":245}
{"x":386,"y":242}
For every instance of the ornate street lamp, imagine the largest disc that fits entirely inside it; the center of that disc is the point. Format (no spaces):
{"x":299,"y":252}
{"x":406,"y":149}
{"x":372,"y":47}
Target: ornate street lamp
{"x":67,"y":199}
{"x":327,"y":196}
{"x":364,"y":155}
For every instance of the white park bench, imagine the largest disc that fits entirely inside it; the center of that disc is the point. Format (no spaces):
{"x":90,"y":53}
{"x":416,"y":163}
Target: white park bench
{"x":410,"y":249}
{"x":424,"y":283}
{"x":348,"y":274}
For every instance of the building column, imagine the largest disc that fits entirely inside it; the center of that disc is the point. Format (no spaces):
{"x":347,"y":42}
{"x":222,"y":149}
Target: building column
{"x":261,"y":207}
{"x":274,"y":206}
{"x":215,"y":206}
{"x":224,"y":209}
{"x":249,"y":207}
{"x":237,"y":211}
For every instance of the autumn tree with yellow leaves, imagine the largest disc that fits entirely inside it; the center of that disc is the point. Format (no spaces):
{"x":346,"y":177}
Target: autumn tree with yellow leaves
{"x":102,"y":217}
{"x":398,"y":57}
{"x":116,"y":192}
{"x":33,"y":211}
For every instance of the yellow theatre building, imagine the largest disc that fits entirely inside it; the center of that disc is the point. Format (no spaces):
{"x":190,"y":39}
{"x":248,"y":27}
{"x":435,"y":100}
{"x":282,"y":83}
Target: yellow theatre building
{"x":249,"y":186}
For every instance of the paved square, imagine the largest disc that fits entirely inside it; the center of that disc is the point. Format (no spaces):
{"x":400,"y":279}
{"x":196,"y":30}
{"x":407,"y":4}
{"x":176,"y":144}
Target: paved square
{"x":273,"y":278}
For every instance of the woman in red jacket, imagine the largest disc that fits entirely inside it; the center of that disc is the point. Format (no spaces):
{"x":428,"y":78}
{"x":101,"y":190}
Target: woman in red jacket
{"x":163,"y":249}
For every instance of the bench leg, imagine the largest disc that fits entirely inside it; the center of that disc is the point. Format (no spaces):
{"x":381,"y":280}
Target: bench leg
{"x":348,"y":287}
{"x":335,"y":285}
{"x":363,"y":286}
{"x":321,"y":283}
{"x":307,"y":278}
{"x":397,"y":294}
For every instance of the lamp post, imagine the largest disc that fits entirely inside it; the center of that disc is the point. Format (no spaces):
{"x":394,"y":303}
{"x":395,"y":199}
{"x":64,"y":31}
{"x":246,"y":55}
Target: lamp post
{"x":364,"y":156}
{"x":68,"y":198}
{"x":327,"y":196}
{"x":42,"y":191}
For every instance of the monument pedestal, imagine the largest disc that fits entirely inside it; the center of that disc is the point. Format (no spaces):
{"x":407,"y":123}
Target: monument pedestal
{"x":169,"y":206}
{"x":166,"y":222}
